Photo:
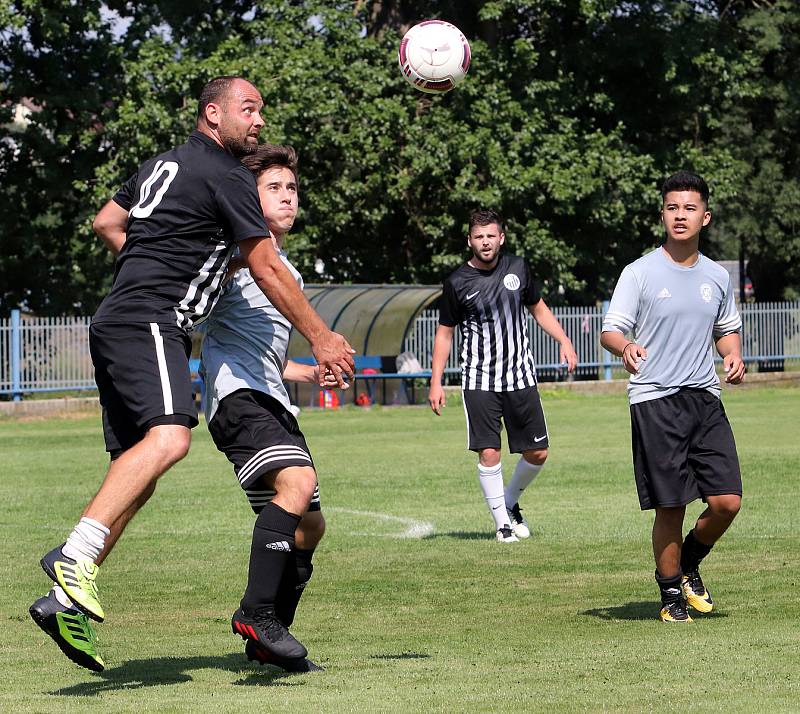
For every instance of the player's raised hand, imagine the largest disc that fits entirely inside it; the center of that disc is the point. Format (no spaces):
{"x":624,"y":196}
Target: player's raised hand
{"x":734,"y":368}
{"x":436,"y":398}
{"x":567,"y":355}
{"x":632,"y":356}
{"x":334,"y":356}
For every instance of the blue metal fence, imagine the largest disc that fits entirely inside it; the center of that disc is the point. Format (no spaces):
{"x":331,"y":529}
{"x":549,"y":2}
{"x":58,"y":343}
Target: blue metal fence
{"x":41,"y":354}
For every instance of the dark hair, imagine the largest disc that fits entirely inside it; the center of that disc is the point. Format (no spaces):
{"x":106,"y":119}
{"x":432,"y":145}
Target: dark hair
{"x":215,"y":91}
{"x":268,"y":156}
{"x":685,"y":181}
{"x":484,"y":218}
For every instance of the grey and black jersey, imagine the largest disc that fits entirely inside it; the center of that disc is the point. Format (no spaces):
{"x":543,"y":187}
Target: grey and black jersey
{"x":489,"y":306}
{"x":676,"y":313}
{"x":187,"y":208}
{"x":246,"y":341}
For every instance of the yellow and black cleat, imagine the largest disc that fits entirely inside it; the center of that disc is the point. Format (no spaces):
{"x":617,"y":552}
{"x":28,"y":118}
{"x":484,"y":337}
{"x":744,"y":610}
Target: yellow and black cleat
{"x":675,"y":611}
{"x":695,"y":592}
{"x":77,"y":579}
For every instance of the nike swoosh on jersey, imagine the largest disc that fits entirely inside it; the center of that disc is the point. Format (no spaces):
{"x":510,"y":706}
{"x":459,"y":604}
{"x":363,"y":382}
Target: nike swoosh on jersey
{"x":469,"y":297}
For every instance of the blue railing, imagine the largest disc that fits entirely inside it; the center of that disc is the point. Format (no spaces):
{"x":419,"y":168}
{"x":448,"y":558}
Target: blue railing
{"x":49,"y":354}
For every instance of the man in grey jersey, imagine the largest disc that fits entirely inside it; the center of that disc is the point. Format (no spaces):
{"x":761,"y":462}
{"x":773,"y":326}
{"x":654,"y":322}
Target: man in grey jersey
{"x":677,"y":304}
{"x":248,"y":414}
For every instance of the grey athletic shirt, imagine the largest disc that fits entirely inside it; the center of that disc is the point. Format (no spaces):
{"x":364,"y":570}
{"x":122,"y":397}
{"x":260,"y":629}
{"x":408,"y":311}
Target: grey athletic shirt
{"x":245,"y":343}
{"x":675,"y":313}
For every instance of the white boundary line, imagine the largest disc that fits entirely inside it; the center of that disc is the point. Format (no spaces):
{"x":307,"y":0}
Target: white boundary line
{"x":413,"y":527}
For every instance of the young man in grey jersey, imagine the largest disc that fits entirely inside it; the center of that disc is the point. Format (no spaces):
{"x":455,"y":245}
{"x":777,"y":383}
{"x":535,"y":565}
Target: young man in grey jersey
{"x":248,"y":414}
{"x":489,"y":298}
{"x":677,"y":304}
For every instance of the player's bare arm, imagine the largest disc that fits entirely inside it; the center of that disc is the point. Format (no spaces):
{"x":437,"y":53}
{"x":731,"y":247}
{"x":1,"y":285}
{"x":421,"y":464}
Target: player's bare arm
{"x":621,"y":346}
{"x":331,"y":350}
{"x":441,"y":350}
{"x":110,"y":225}
{"x":730,"y":349}
{"x":298,"y":372}
{"x":549,"y":323}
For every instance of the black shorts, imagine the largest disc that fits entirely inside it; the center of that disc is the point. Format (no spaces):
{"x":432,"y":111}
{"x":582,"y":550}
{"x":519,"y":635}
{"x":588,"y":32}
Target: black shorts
{"x":259,"y":436}
{"x":142,"y":374}
{"x":521,"y":413}
{"x":683,"y":449}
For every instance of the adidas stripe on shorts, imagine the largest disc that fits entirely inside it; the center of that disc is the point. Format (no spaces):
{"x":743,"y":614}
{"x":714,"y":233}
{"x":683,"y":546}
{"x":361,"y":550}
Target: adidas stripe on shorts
{"x":259,"y":435}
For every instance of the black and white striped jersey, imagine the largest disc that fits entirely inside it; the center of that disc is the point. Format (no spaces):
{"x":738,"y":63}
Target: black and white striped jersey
{"x":186,"y":210}
{"x":489,"y":306}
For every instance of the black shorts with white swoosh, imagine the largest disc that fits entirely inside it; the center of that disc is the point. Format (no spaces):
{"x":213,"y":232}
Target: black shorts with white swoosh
{"x":520,"y":411}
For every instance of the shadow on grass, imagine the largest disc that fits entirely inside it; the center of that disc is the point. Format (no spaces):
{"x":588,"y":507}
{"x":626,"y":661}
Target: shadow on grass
{"x":401,"y":655}
{"x":158,"y":671}
{"x":460,"y":535}
{"x":647,"y":610}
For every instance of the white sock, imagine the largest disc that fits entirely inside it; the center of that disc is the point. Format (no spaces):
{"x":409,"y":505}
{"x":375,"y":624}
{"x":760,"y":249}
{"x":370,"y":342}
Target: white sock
{"x":524,"y":473}
{"x":491,"y":481}
{"x":61,"y":596}
{"x":86,"y":541}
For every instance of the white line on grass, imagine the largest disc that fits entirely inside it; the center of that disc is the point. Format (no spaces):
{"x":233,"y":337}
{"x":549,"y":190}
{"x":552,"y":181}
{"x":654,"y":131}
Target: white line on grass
{"x":413,"y":527}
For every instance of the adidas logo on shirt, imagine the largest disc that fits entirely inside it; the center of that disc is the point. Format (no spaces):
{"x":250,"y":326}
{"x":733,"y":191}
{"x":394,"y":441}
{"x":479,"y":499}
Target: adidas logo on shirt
{"x":281,"y":545}
{"x":664,"y":294}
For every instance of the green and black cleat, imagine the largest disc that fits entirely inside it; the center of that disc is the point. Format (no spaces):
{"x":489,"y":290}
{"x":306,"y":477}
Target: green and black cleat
{"x":70,"y":629}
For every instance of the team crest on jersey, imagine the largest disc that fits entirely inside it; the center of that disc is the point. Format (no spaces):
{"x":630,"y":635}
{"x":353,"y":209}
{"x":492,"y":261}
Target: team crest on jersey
{"x":511,"y":281}
{"x":706,"y":292}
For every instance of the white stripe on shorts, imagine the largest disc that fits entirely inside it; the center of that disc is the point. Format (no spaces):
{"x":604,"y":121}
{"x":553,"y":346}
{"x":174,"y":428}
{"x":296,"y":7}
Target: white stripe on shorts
{"x":166,"y":389}
{"x":466,"y":413}
{"x":265,"y":456}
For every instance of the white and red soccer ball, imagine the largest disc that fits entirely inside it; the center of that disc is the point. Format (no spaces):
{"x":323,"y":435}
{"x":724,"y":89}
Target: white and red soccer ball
{"x":434,"y":56}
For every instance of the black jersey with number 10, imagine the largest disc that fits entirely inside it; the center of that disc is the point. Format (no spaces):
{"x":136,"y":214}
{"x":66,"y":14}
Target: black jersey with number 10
{"x":490,"y":308}
{"x":187,"y":208}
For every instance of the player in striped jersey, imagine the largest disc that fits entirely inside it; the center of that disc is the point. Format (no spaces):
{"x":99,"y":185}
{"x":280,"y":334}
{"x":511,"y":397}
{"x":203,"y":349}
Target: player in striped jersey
{"x":488,"y":298}
{"x":248,"y":413}
{"x":677,"y":303}
{"x":173,"y":227}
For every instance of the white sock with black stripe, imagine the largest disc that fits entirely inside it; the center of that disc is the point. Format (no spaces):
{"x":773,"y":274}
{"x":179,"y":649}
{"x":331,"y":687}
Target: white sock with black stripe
{"x":491,"y":481}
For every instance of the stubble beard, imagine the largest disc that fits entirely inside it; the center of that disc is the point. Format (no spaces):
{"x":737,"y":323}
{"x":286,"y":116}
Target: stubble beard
{"x":239,"y":147}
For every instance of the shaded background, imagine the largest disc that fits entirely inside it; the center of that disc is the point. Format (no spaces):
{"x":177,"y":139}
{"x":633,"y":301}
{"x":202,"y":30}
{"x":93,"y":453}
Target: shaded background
{"x":572,"y":113}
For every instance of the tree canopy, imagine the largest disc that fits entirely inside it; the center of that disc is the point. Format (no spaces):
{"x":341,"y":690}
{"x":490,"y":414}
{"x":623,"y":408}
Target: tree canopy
{"x":572,"y":113}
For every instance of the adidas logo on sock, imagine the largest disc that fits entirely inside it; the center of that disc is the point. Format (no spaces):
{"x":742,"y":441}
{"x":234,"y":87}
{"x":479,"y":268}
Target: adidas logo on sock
{"x":281,"y":545}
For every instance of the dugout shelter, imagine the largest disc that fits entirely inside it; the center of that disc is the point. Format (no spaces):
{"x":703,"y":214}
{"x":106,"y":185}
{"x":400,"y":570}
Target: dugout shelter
{"x":375,"y":319}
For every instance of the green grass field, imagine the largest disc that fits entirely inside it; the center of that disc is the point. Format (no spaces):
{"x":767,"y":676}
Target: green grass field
{"x":447,"y":622}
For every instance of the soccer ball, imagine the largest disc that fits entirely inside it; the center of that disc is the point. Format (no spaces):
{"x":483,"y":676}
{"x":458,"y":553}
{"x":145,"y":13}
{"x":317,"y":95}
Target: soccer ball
{"x":434,"y":56}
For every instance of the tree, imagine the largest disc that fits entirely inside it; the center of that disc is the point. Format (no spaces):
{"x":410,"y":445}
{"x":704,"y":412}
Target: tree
{"x":571,"y":114}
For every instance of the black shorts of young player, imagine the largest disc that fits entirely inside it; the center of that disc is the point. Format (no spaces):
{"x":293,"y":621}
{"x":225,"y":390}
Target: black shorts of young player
{"x":683,"y":449}
{"x":142,"y":375}
{"x":259,"y":435}
{"x":520,"y":411}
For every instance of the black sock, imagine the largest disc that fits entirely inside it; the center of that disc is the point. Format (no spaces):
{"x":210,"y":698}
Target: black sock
{"x":670,"y":588}
{"x":692,"y":552}
{"x":295,"y":578}
{"x":272,"y":546}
